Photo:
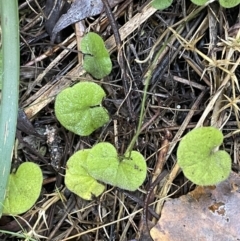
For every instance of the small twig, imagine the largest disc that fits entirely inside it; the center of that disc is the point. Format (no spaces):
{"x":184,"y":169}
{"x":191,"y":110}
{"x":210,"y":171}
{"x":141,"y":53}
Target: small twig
{"x":149,"y":193}
{"x":140,"y":203}
{"x":161,"y":157}
{"x":158,"y":175}
{"x":80,"y":29}
{"x":184,"y":125}
{"x":120,"y":52}
{"x":166,"y":187}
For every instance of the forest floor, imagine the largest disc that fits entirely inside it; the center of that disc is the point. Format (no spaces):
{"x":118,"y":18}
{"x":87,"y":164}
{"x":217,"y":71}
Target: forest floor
{"x":189,"y":55}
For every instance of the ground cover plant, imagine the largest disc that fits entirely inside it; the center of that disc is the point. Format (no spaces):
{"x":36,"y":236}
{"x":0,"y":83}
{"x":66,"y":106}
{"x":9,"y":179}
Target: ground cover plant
{"x":167,"y":74}
{"x":199,"y":156}
{"x":78,"y":108}
{"x":23,"y":189}
{"x":162,"y":4}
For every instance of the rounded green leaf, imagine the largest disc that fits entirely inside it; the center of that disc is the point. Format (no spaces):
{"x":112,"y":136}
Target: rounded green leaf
{"x":199,"y":2}
{"x":126,"y":172}
{"x":77,"y":178}
{"x":23,"y":189}
{"x":229,"y":3}
{"x":96,"y":60}
{"x":200,"y":159}
{"x":78,"y":108}
{"x":161,"y":4}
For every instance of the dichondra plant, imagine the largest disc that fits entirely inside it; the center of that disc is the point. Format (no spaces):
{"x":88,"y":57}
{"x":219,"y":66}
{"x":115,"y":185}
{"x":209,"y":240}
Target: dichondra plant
{"x":127,"y":172}
{"x":97,"y":61}
{"x":79,"y":109}
{"x":77,"y":178}
{"x":162,"y":4}
{"x":223,"y":3}
{"x":102,"y":163}
{"x":23,"y":189}
{"x":201,"y":160}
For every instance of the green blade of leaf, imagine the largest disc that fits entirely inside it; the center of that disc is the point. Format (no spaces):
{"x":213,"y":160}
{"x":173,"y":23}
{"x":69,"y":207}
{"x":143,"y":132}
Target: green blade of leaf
{"x":102,"y":163}
{"x":229,"y":3}
{"x":132,"y":171}
{"x":161,"y":4}
{"x":1,"y":68}
{"x":77,"y":178}
{"x":199,"y":2}
{"x":97,"y":61}
{"x":78,"y":108}
{"x":126,"y":172}
{"x":98,"y":67}
{"x":93,"y":44}
{"x":23,"y":189}
{"x":200,"y":159}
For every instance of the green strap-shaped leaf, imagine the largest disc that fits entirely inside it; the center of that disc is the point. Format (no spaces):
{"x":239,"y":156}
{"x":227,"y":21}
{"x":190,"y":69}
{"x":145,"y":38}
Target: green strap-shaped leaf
{"x":1,"y":68}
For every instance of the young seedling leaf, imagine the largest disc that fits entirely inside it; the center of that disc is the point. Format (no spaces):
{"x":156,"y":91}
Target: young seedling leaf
{"x":23,"y":189}
{"x":104,"y":164}
{"x":77,"y":178}
{"x":223,"y":3}
{"x":200,"y":159}
{"x":229,"y":3}
{"x":78,"y":108}
{"x":199,"y":2}
{"x":161,"y":4}
{"x":96,"y":60}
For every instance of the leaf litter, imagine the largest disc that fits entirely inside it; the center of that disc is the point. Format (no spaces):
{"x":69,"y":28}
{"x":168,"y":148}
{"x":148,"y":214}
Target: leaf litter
{"x":189,"y":66}
{"x":209,"y":213}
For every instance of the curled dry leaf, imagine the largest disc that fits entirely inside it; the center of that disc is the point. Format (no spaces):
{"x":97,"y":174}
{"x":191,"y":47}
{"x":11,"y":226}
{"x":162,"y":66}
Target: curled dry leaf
{"x":79,"y":10}
{"x":54,"y":9}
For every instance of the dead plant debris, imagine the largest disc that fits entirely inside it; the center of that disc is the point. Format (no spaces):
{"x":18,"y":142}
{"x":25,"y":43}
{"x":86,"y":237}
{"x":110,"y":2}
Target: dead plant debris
{"x":190,"y":54}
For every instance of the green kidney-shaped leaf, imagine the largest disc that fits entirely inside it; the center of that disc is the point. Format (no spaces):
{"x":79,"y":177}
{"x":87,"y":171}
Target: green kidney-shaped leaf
{"x":126,"y":172}
{"x":96,"y":60}
{"x":77,"y":178}
{"x":200,"y":159}
{"x":229,"y":3}
{"x":223,"y":3}
{"x":161,"y":4}
{"x":23,"y":189}
{"x":199,"y":2}
{"x":78,"y":108}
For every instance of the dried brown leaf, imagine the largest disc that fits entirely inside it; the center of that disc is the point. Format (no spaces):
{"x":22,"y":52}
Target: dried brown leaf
{"x":79,"y":10}
{"x":213,"y":215}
